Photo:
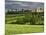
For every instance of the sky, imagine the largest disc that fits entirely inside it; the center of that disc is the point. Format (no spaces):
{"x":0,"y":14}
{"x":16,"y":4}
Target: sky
{"x":12,"y":4}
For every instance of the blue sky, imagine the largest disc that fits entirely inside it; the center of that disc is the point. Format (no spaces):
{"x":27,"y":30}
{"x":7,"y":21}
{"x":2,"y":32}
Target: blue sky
{"x":12,"y":4}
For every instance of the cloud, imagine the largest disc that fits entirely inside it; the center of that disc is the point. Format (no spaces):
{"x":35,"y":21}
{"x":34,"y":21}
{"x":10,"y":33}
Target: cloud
{"x":19,"y":3}
{"x":15,"y":4}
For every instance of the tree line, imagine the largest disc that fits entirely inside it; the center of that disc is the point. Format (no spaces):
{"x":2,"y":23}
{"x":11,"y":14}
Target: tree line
{"x":31,"y":18}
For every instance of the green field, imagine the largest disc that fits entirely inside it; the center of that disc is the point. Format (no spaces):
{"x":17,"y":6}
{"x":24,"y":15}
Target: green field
{"x":13,"y":28}
{"x":20,"y":29}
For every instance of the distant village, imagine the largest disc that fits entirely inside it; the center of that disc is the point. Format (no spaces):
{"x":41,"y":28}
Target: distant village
{"x":39,"y":9}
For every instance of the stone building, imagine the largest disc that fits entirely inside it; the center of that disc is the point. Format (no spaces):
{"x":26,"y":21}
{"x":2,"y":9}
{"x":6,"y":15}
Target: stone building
{"x":39,"y":9}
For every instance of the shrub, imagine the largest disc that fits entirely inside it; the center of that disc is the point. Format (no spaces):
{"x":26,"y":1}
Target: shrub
{"x":20,"y":21}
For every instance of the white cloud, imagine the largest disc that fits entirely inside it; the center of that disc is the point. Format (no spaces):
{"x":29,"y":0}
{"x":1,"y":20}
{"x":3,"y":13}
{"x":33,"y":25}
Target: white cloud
{"x":20,"y":3}
{"x":24,"y":4}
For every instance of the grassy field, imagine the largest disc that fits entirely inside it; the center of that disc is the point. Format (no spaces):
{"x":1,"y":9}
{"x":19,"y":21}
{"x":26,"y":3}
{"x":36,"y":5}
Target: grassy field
{"x":20,"y":29}
{"x":12,"y":18}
